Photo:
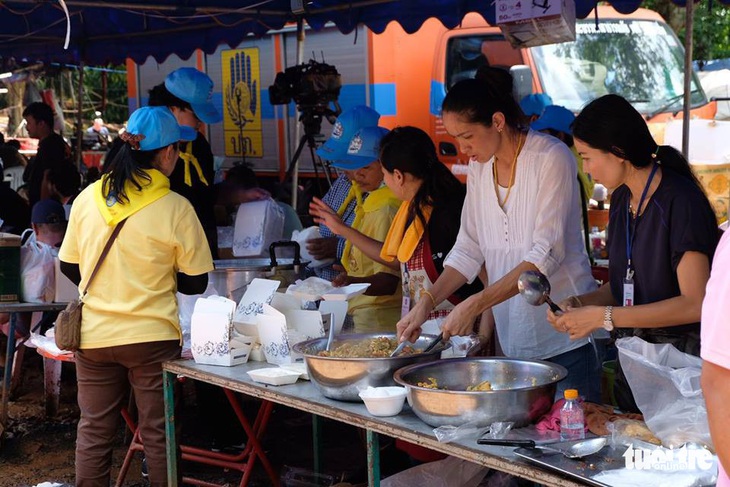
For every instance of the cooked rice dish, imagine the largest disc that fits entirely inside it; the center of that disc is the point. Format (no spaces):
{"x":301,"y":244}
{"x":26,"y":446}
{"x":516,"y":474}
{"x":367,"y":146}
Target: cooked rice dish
{"x":379,"y":347}
{"x":432,"y":383}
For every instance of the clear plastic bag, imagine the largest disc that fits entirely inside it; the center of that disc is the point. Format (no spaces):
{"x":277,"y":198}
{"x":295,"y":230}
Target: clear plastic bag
{"x":37,"y":270}
{"x":666,"y":387}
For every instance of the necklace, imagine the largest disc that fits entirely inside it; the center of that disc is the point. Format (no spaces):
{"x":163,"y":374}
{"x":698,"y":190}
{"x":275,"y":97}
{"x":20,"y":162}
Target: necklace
{"x":520,"y":143}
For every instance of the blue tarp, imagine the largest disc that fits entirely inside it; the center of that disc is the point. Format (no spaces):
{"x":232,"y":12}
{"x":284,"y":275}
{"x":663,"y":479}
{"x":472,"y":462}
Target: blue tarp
{"x":110,"y":31}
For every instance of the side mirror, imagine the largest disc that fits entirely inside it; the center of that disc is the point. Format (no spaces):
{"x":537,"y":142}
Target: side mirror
{"x":522,"y":81}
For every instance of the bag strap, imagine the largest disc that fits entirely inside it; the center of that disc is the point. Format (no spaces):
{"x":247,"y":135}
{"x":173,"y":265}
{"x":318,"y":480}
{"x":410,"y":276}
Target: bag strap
{"x":104,"y":253}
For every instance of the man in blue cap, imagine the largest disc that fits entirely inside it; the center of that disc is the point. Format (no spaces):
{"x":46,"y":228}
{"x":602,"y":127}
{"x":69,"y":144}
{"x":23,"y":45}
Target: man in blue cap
{"x":188,"y":93}
{"x":330,"y":246}
{"x":556,"y":121}
{"x":534,"y":104}
{"x":379,"y":308}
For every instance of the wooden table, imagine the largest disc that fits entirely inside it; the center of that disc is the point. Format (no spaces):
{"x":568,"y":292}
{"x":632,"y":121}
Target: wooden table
{"x":14,"y":309}
{"x":304,"y":396}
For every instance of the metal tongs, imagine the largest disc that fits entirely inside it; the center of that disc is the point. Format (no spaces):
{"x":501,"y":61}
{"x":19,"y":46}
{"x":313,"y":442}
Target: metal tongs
{"x":439,"y":338}
{"x":400,"y":348}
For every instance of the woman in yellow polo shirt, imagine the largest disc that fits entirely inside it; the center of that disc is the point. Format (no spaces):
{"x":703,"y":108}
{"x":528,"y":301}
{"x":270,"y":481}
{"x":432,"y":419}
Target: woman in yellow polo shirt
{"x":130,"y":318}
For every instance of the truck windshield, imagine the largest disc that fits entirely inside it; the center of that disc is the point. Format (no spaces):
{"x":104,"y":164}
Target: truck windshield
{"x":640,"y":60}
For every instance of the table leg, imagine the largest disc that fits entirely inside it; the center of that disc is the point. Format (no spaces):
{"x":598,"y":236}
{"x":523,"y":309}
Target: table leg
{"x":7,"y":375}
{"x":373,"y":459}
{"x":169,"y":395}
{"x":52,"y":385}
{"x":317,"y":443}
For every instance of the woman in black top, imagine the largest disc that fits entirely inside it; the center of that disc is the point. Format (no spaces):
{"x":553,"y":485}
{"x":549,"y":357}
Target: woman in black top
{"x":424,"y":229}
{"x":662,"y":237}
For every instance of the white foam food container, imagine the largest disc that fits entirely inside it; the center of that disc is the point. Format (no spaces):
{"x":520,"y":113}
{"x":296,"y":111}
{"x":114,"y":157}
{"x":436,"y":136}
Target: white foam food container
{"x":298,"y":367}
{"x":310,"y":289}
{"x":383,"y":401}
{"x":346,"y":292}
{"x":274,"y":376}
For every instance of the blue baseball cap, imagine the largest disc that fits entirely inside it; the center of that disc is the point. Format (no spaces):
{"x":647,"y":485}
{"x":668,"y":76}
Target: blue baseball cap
{"x":363,"y":149}
{"x":159,"y":128}
{"x":196,"y":88}
{"x":48,"y":211}
{"x":555,"y":117}
{"x":535,"y":103}
{"x":347,"y":124}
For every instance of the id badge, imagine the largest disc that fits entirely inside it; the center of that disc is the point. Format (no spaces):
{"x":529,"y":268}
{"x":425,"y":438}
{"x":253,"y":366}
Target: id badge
{"x":628,"y":291}
{"x":405,"y":305}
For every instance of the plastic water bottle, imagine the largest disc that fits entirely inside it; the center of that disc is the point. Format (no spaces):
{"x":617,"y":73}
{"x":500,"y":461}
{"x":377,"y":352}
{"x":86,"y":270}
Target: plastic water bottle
{"x":572,"y":422}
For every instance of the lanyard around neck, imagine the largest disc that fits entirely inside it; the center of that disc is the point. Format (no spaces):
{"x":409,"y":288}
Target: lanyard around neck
{"x":631,"y":228}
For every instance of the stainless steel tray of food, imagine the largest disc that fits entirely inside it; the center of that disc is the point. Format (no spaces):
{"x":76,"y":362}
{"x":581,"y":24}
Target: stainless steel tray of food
{"x":481,"y":390}
{"x":343,"y":376}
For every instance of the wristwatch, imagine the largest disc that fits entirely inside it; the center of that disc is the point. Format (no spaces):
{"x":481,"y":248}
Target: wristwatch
{"x":608,"y":318}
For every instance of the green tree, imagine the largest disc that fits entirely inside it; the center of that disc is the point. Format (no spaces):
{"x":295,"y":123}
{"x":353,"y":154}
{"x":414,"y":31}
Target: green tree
{"x":711,"y":38}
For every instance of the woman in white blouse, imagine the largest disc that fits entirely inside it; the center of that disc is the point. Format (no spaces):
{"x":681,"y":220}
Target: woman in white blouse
{"x":521,"y":213}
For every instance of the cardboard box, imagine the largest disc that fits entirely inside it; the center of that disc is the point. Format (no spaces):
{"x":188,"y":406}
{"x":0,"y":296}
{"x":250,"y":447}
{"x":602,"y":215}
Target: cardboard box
{"x":9,"y":268}
{"x":528,"y":24}
{"x":214,"y":340}
{"x":258,"y":225}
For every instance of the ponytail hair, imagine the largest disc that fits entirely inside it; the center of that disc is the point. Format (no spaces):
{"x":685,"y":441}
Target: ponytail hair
{"x":478,"y":99}
{"x":612,"y":125}
{"x":128,"y":165}
{"x":410,"y":150}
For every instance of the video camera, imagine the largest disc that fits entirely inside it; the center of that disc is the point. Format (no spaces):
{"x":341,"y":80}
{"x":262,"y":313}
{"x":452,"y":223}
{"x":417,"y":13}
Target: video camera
{"x":311,"y":84}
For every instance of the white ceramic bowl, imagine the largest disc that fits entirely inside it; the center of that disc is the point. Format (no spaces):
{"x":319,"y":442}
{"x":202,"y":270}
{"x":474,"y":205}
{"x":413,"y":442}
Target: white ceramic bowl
{"x":384,"y":401}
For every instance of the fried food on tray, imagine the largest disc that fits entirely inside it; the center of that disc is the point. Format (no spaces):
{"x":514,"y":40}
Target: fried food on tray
{"x":379,"y":347}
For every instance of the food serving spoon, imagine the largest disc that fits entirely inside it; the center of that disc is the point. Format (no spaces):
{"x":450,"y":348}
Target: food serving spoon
{"x":575,"y":451}
{"x":535,"y":288}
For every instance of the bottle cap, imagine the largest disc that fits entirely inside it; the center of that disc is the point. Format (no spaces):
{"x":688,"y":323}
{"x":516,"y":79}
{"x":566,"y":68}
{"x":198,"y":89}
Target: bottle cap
{"x":570,"y":394}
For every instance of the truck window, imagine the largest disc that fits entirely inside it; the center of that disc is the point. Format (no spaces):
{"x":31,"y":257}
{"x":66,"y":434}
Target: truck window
{"x":640,"y":60}
{"x":466,"y":54}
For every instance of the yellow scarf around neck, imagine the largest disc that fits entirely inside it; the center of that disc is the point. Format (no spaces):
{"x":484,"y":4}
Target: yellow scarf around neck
{"x":375,"y":200}
{"x":401,"y":242}
{"x":115,"y":211}
{"x":189,"y":159}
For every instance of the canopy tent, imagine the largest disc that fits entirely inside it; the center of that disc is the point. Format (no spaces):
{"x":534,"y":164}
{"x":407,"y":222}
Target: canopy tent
{"x":102,"y":31}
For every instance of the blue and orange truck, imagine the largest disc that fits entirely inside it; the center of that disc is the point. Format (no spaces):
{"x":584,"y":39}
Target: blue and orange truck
{"x":405,"y":77}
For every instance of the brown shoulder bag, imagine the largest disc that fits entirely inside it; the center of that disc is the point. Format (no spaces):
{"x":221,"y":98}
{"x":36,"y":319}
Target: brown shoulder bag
{"x":68,"y":323}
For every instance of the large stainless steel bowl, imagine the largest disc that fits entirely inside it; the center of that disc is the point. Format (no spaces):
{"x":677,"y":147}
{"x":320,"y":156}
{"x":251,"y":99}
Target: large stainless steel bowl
{"x":523,"y":390}
{"x":343,"y":378}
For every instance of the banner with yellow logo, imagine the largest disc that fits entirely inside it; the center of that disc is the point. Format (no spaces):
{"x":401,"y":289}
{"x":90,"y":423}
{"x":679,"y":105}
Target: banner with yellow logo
{"x":242,"y":102}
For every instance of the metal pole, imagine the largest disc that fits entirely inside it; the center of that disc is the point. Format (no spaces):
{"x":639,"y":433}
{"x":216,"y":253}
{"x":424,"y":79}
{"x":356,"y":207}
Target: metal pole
{"x":80,"y":118}
{"x":688,"y":71}
{"x":298,"y":129}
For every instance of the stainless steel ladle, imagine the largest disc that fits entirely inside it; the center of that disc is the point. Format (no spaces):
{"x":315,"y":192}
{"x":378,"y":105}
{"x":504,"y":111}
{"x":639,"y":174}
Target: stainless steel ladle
{"x":535,"y":288}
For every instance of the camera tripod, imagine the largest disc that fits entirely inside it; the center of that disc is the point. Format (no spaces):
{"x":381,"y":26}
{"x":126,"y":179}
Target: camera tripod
{"x":311,"y":119}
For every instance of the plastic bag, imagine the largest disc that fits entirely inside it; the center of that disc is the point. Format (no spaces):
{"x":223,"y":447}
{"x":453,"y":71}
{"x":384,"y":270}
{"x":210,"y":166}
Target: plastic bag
{"x":301,"y":237}
{"x":666,"y":387}
{"x":442,"y":473}
{"x":37,"y":270}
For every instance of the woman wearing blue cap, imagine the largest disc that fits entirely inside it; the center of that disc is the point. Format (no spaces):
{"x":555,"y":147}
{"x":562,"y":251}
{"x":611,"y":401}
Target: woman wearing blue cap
{"x":130,"y":317}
